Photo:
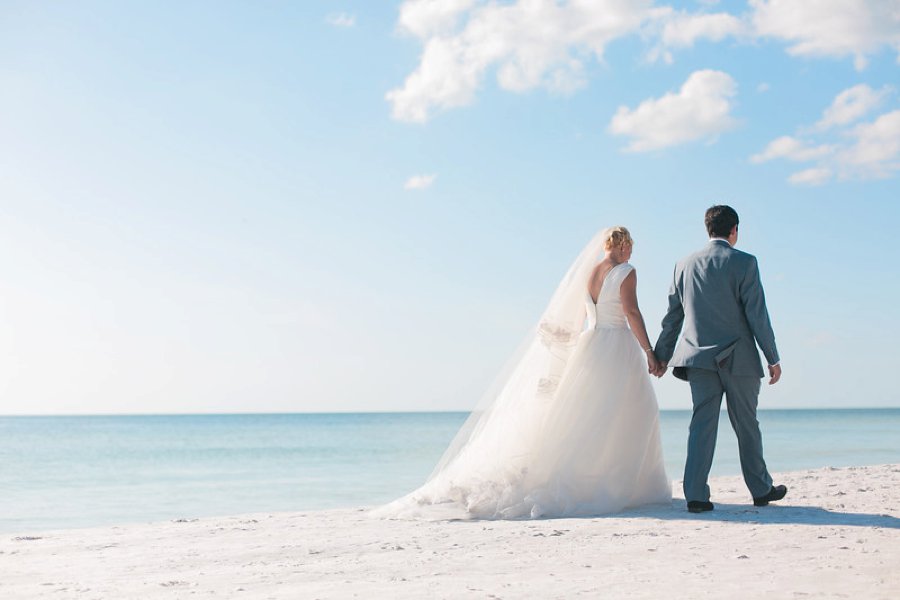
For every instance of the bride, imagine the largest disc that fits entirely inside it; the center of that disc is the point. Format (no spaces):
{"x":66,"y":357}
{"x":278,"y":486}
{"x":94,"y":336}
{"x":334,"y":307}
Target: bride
{"x":571,"y":428}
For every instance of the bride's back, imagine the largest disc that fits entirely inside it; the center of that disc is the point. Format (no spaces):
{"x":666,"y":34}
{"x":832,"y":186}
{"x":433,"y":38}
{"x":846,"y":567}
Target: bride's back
{"x":603,"y":300}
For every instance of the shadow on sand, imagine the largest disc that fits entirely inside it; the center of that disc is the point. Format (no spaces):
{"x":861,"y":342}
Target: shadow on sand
{"x":774,"y":514}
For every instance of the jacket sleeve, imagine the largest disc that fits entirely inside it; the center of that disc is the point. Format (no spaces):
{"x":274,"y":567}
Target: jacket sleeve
{"x":754,"y":301}
{"x":671,"y":323}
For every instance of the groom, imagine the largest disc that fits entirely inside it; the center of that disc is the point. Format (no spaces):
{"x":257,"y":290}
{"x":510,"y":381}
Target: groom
{"x":717,"y":296}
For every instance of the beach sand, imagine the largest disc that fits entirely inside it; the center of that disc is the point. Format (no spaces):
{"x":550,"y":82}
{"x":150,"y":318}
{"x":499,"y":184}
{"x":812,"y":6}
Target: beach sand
{"x":836,"y":535}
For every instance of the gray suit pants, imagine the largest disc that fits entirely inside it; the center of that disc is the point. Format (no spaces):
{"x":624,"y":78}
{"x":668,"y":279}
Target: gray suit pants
{"x":741,"y":394}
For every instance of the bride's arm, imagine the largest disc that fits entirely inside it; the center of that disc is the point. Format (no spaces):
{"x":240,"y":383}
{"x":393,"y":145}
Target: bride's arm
{"x":628,"y":293}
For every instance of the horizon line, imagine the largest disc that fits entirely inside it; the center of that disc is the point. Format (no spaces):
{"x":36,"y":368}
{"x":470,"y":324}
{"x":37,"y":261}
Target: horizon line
{"x":387,"y":412}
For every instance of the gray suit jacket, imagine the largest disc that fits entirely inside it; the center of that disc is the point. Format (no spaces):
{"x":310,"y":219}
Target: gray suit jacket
{"x":717,"y":297}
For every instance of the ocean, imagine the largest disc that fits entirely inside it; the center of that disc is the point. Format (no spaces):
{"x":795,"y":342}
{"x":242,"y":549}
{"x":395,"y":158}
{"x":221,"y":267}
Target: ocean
{"x":64,"y":472}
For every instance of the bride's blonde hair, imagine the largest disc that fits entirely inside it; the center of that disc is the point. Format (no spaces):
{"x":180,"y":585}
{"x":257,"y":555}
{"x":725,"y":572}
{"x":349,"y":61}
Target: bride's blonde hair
{"x":617,"y":237}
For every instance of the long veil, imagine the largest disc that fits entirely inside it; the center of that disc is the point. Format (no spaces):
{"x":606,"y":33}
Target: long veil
{"x":531,"y":377}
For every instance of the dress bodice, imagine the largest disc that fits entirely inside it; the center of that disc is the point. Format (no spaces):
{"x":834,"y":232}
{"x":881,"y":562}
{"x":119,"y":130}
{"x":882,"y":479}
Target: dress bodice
{"x":608,"y":312}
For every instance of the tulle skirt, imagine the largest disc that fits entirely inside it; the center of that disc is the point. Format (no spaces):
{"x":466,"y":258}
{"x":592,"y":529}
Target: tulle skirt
{"x":590,"y":448}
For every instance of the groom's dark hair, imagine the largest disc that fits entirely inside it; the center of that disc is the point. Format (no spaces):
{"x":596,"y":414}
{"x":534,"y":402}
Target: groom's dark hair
{"x":720,"y":220}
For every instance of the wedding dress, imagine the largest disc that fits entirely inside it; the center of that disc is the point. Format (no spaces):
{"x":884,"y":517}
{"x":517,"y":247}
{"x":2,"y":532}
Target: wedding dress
{"x":572,"y":427}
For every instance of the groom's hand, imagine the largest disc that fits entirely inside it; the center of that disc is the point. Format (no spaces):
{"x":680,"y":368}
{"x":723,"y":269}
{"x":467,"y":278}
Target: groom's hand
{"x":774,"y":374}
{"x":661,"y":369}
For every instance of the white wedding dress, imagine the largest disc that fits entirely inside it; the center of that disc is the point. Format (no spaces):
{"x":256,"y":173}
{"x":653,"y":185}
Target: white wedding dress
{"x":572,"y":430}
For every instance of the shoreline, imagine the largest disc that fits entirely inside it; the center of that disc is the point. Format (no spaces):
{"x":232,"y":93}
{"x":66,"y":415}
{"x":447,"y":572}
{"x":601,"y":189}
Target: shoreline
{"x":836,"y":533}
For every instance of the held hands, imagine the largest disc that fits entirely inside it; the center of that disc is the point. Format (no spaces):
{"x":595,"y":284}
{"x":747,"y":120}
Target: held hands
{"x":655,"y":367}
{"x":774,"y":374}
{"x":661,"y":369}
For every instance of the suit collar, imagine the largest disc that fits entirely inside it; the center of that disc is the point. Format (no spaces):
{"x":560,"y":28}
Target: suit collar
{"x":720,"y":242}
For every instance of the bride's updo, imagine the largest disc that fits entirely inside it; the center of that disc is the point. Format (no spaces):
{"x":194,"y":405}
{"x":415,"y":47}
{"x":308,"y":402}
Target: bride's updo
{"x":616,"y":237}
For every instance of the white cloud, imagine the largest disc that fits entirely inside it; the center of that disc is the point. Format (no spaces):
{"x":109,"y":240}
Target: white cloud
{"x":700,"y":109}
{"x":850,"y":105}
{"x":419,"y":182}
{"x":811,"y":28}
{"x":835,"y":28}
{"x":423,"y":18}
{"x":685,"y":29}
{"x":763,"y":87}
{"x":791,"y":148}
{"x":866,"y":151}
{"x":875,"y":152}
{"x":682,"y":29}
{"x":341,"y":20}
{"x":530,"y":43}
{"x":814,"y":176}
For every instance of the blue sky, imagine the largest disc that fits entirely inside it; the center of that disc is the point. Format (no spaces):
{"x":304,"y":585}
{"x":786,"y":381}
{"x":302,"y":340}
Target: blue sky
{"x":336,"y":206}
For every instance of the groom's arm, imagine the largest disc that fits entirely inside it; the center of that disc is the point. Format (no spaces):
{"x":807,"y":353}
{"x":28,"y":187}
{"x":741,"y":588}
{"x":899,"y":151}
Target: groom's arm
{"x":754,"y":300}
{"x":671,"y":324}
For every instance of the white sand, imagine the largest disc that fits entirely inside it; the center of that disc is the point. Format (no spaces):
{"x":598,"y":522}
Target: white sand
{"x":836,"y":535}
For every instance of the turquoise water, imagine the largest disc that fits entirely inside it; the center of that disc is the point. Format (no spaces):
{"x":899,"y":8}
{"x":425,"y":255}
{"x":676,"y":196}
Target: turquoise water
{"x":62,"y":472}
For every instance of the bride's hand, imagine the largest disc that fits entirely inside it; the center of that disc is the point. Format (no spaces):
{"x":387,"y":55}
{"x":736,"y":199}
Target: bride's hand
{"x":652,"y":363}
